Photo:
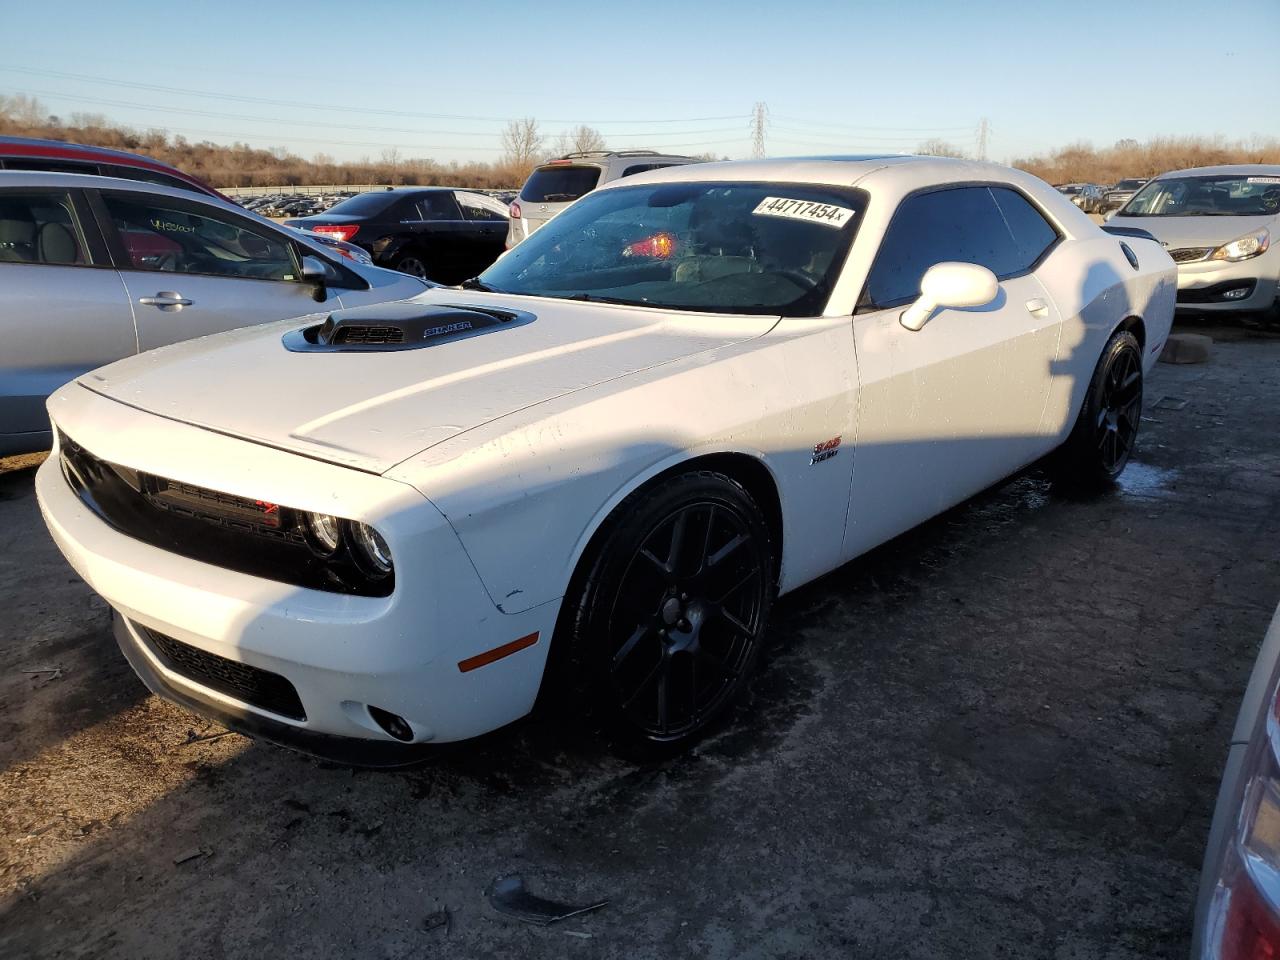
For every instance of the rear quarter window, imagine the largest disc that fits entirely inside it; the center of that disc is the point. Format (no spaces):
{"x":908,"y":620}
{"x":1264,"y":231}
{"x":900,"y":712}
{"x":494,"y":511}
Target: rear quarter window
{"x":560,"y":184}
{"x":364,"y":204}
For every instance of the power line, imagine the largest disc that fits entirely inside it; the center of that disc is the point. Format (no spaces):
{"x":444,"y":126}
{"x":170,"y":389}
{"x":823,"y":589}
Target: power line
{"x":847,"y":126}
{"x":312,"y":123}
{"x":984,"y":134}
{"x":863,"y":137}
{"x":240,"y":98}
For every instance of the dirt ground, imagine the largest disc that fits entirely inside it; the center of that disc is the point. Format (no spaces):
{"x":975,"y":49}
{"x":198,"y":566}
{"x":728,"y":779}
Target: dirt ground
{"x":998,"y":736}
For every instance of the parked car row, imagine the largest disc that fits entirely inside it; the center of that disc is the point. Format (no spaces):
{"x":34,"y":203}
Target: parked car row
{"x":292,"y":204}
{"x":1087,"y":196}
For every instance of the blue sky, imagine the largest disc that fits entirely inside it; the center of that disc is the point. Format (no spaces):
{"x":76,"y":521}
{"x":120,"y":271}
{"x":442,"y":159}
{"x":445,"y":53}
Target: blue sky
{"x":438,"y":80}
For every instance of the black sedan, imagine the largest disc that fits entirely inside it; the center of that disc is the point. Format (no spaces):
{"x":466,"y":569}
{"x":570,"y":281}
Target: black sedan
{"x":430,"y":232}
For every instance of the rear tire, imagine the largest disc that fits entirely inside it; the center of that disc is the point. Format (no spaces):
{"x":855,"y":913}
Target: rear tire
{"x":667,"y":623}
{"x":411,"y":263}
{"x":1102,"y":440}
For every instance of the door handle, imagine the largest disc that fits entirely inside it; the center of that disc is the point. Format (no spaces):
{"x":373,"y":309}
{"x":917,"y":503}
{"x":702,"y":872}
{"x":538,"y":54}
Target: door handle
{"x":165,"y":298}
{"x":1037,"y":307}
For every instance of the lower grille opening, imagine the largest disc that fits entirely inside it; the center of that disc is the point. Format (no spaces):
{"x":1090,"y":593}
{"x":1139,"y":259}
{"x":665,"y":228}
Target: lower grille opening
{"x":258,"y":688}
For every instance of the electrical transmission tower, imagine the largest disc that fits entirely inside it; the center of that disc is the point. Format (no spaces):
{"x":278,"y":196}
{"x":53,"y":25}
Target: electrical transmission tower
{"x":759,"y":120}
{"x":984,"y":134}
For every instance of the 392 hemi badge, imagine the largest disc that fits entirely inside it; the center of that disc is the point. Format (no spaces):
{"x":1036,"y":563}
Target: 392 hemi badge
{"x":825,"y":450}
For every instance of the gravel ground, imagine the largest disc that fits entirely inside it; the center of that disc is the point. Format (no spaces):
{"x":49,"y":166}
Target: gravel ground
{"x":998,"y":736}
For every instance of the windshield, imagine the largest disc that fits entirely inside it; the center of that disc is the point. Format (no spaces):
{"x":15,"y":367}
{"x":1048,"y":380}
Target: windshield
{"x":364,"y":204}
{"x":766,"y":248}
{"x":1210,"y":196}
{"x":1128,"y":185}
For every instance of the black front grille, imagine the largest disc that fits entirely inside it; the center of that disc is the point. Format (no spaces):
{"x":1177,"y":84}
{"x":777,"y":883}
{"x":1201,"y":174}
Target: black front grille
{"x":238,"y":533}
{"x":1190,"y":254}
{"x":258,"y":688}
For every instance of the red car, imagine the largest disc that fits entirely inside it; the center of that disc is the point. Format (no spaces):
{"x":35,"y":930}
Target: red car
{"x":27,"y":153}
{"x":57,"y":156}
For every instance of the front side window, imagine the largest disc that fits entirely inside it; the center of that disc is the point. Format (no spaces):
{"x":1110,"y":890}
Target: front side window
{"x":1210,"y":196}
{"x":756,"y":248}
{"x":437,"y":206}
{"x":994,"y":227}
{"x":40,"y":227}
{"x":158,"y":234}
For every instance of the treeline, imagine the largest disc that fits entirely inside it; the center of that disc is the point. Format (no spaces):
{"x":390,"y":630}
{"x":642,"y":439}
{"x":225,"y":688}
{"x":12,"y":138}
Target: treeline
{"x":240,"y":165}
{"x":1082,"y":162}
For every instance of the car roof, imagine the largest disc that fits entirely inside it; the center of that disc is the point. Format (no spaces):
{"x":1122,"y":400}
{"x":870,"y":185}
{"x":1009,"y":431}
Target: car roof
{"x":1226,"y":170}
{"x":16,"y":147}
{"x":898,"y":172}
{"x":42,"y":178}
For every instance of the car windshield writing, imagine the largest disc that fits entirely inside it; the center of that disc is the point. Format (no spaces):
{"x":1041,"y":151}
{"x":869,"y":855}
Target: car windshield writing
{"x":1209,"y":196}
{"x":763,"y":248}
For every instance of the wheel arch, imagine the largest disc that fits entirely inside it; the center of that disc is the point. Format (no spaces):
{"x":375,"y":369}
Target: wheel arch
{"x":1133,"y":324}
{"x":749,"y":469}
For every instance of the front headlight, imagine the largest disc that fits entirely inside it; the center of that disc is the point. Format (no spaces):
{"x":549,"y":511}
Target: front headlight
{"x":1242,"y":248}
{"x":371,"y":550}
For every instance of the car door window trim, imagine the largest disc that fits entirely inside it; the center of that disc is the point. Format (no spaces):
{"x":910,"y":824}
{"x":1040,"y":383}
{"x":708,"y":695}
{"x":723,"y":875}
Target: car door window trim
{"x":866,"y":305}
{"x":123,"y":261}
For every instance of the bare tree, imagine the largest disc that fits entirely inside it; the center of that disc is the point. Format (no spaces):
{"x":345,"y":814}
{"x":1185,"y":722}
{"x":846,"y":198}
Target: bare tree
{"x":581,"y":139}
{"x":939,"y":148}
{"x":521,"y":143}
{"x":391,"y":158}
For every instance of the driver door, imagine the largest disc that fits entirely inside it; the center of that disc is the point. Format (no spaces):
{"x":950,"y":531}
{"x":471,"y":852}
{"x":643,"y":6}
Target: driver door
{"x":192,"y":269}
{"x":948,"y":410}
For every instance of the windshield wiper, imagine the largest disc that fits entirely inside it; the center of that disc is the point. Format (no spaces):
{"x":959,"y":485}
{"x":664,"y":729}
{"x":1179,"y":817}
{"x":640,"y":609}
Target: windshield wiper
{"x":593,"y":298}
{"x":475,"y":283}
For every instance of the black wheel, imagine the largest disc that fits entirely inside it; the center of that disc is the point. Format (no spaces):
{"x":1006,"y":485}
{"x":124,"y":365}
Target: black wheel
{"x":1101,"y":442}
{"x":412,"y":264}
{"x":667,"y":623}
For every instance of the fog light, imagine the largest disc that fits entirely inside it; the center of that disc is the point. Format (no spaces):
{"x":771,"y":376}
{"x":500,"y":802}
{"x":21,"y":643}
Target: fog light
{"x":395,"y":726}
{"x":1238,"y":293}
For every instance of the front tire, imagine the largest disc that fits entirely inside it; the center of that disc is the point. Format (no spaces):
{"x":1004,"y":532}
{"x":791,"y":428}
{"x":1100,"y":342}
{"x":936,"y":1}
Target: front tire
{"x":1100,"y":444}
{"x":666,"y":626}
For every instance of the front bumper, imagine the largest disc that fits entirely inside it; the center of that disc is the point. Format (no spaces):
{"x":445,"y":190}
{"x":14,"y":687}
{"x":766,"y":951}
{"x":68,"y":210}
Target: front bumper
{"x":342,"y":654}
{"x":1203,"y":285}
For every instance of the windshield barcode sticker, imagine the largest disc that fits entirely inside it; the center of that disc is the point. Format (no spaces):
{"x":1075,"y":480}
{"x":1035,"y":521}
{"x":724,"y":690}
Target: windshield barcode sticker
{"x":808,"y":210}
{"x":1264,"y":180}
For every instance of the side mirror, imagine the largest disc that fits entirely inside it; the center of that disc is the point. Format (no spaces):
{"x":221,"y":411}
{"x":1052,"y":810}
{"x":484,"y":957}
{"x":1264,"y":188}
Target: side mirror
{"x":1111,"y":214}
{"x":950,"y":285}
{"x":315,"y":271}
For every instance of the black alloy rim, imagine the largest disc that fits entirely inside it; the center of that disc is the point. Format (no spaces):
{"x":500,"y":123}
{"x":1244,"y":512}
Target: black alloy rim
{"x":686,"y":618}
{"x":414,"y":267}
{"x":1120,"y":410}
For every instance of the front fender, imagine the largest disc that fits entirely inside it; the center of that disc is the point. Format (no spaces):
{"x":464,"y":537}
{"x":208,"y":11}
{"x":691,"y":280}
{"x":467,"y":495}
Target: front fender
{"x":526,"y":499}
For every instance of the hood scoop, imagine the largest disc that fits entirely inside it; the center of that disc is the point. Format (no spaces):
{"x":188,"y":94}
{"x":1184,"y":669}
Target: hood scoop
{"x":401,"y":326}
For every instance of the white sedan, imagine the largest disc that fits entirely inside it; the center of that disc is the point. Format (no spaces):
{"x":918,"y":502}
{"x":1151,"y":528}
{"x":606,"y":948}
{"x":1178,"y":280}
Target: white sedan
{"x":592,"y":469}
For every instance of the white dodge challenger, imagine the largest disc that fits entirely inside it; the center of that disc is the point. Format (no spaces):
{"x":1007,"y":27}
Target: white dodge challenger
{"x":599,"y":462}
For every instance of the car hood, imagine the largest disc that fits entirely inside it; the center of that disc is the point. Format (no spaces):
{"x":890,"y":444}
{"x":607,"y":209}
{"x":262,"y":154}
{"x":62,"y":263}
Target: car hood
{"x":1176,"y":232}
{"x":372,"y":410}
